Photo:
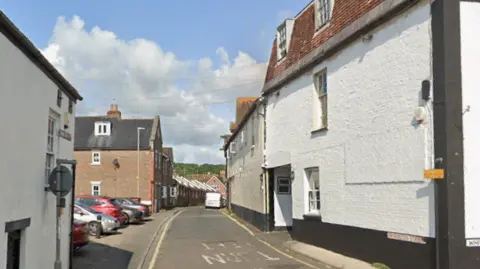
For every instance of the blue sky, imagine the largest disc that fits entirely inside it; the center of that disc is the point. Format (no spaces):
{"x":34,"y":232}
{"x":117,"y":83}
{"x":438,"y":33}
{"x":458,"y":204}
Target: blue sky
{"x":189,"y":29}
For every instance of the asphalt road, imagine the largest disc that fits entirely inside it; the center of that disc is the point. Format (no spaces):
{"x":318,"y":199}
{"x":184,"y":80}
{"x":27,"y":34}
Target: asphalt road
{"x":200,"y":239}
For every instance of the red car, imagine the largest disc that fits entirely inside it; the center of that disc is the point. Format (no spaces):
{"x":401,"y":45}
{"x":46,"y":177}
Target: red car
{"x":80,"y":234}
{"x":103,"y":204}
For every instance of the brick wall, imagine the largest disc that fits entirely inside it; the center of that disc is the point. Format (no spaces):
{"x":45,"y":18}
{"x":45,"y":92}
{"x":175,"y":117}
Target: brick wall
{"x":125,"y":183}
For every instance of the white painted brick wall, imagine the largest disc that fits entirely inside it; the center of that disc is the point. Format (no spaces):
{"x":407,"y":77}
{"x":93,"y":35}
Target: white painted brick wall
{"x":246,"y":166}
{"x":374,"y":88}
{"x":470,"y":19}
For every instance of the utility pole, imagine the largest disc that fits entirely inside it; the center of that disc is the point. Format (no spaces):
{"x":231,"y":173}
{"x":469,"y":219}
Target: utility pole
{"x":138,"y":160}
{"x":451,"y":250}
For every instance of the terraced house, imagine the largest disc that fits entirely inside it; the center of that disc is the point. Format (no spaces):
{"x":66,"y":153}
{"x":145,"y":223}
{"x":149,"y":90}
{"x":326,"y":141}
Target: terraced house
{"x":120,"y":157}
{"x":363,"y":108}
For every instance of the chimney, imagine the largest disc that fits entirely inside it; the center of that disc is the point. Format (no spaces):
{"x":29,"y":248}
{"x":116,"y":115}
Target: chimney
{"x":114,"y":112}
{"x":243,"y":104}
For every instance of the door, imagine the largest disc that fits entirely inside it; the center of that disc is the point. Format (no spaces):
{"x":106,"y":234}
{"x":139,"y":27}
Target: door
{"x":283,"y":197}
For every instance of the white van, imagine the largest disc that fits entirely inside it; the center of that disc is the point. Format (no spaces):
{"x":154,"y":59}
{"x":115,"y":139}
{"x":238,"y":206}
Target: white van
{"x":213,"y":200}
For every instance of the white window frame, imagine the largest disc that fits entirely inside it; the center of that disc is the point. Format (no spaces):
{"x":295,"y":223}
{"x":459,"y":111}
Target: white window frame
{"x":313,"y":194}
{"x":50,"y":151}
{"x":173,"y":191}
{"x":281,"y":184}
{"x":323,"y":11}
{"x":216,"y":187}
{"x":105,"y":128}
{"x":94,"y":161}
{"x":282,"y":41}
{"x":321,"y":100}
{"x":97,"y":184}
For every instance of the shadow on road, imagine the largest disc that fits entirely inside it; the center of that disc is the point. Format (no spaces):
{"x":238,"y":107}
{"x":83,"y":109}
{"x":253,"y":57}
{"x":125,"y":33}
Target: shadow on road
{"x":100,"y":256}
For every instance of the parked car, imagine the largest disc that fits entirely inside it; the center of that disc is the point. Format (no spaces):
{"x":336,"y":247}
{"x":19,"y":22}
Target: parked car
{"x":133,"y":204}
{"x":108,"y":224}
{"x":103,"y":205}
{"x":80,"y":234}
{"x":133,"y":215}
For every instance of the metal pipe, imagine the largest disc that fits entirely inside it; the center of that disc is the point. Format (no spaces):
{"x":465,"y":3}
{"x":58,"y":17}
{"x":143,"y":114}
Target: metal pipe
{"x":58,"y":261}
{"x":72,"y":208}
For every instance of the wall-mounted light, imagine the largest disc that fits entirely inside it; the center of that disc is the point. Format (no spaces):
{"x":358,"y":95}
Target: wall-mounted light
{"x":420,"y":114}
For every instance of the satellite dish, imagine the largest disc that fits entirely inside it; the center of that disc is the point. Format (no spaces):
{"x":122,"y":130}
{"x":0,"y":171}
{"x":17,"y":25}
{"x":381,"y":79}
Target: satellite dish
{"x":66,"y":181}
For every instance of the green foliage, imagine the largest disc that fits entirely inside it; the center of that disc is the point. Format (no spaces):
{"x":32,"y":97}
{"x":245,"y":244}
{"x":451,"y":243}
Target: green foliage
{"x":186,"y":169}
{"x":380,"y":266}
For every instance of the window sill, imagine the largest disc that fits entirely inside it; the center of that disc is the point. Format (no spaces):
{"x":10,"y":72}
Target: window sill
{"x":95,"y":163}
{"x":322,"y":129}
{"x":312,"y":216}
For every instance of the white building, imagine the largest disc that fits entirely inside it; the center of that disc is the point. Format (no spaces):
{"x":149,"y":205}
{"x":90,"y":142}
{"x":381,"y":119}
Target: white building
{"x":244,"y":151}
{"x":349,"y":129}
{"x":36,"y":103}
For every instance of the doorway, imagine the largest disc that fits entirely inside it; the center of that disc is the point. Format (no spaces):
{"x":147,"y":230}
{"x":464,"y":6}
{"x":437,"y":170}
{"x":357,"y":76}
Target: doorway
{"x":283,"y":215}
{"x":13,"y":249}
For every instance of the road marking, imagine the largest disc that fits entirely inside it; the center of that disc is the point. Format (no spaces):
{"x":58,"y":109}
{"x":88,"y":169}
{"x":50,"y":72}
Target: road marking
{"x":159,"y":243}
{"x":240,"y":224}
{"x":217,"y":258}
{"x":267,"y":257}
{"x":268,"y":245}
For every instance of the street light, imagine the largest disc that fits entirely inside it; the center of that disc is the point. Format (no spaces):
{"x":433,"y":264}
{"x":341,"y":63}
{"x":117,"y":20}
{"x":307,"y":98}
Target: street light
{"x":138,"y":160}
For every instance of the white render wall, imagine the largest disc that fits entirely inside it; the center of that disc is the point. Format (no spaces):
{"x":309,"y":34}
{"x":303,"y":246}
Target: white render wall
{"x":372,"y":158}
{"x":470,"y":19}
{"x":246,"y":165}
{"x":27,"y":95}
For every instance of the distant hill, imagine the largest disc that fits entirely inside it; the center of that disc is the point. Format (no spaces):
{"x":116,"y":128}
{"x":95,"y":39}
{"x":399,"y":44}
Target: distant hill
{"x":185,"y":169}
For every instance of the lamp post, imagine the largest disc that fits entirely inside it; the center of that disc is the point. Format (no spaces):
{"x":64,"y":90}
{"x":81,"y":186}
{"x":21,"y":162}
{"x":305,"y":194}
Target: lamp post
{"x":138,"y":160}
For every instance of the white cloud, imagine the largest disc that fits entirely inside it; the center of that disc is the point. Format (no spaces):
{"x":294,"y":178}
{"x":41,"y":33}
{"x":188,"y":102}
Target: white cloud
{"x":146,"y":80}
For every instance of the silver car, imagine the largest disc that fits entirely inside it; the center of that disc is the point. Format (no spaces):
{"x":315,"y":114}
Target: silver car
{"x":84,"y":213}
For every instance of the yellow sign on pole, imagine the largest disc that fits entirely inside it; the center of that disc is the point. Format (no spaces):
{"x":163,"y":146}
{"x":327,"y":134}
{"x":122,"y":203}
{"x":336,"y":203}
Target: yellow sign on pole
{"x":434,"y":174}
{"x":61,"y":211}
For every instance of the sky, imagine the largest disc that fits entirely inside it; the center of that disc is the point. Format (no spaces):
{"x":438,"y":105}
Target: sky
{"x":186,"y":61}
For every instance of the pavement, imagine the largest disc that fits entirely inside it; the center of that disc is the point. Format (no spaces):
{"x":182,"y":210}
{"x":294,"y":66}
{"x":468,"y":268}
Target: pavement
{"x":125,"y":250}
{"x":205,"y":238}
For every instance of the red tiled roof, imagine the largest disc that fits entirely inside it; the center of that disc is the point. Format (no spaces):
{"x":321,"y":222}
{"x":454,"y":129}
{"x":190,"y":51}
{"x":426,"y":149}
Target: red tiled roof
{"x":304,"y":39}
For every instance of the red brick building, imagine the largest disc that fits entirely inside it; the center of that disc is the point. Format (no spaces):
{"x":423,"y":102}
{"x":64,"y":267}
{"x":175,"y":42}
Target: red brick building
{"x":112,"y":153}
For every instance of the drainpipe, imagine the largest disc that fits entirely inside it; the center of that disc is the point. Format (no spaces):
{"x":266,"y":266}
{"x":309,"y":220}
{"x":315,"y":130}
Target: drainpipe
{"x":72,"y":205}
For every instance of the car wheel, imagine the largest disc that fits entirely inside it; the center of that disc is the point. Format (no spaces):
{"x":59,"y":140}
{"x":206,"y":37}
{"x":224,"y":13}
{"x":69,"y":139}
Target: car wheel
{"x":127,"y":219}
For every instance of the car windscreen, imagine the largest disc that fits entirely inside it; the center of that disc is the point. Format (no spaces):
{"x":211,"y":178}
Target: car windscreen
{"x":89,"y":209}
{"x":115,"y":202}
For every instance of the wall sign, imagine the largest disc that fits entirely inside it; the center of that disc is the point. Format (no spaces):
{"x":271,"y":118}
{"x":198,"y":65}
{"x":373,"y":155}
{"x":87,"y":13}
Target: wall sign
{"x":407,"y":238}
{"x":475,"y":242}
{"x":65,"y":135}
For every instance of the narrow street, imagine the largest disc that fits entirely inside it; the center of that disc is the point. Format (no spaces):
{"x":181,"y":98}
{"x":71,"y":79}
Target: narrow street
{"x":182,"y":239}
{"x":200,"y":238}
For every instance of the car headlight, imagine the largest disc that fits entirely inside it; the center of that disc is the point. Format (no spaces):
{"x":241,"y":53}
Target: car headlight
{"x":110,"y":221}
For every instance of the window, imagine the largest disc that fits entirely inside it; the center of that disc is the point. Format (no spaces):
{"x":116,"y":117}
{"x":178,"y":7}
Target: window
{"x":283,"y":185}
{"x":164,"y":191}
{"x":102,"y":128}
{"x":50,"y":154}
{"x":173,"y":191}
{"x":322,"y":12}
{"x":95,"y":157}
{"x":156,"y":159}
{"x":59,"y":98}
{"x":70,"y":106}
{"x":313,"y":190}
{"x":322,"y":100}
{"x":215,"y":187}
{"x":96,"y":190}
{"x":282,"y":40}
{"x":13,"y":249}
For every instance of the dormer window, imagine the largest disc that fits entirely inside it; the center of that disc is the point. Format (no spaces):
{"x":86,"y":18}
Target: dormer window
{"x":282,"y":40}
{"x":322,"y":13}
{"x":102,"y":128}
